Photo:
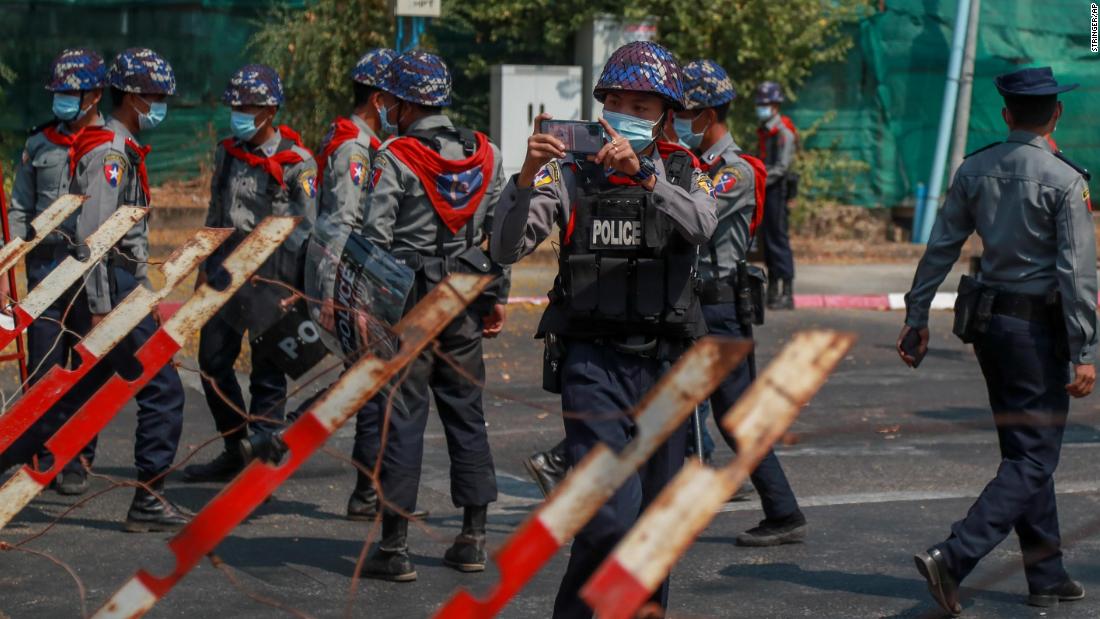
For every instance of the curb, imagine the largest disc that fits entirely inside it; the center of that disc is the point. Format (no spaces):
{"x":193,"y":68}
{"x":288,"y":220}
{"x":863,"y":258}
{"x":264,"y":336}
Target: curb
{"x":879,"y":302}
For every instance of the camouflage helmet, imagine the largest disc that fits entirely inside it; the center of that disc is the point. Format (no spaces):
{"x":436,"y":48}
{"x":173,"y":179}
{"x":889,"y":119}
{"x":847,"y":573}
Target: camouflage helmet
{"x":143,"y":71}
{"x":372,"y":66}
{"x":77,"y":69}
{"x":706,"y":84}
{"x":768,"y":93}
{"x":642,"y":66}
{"x":418,"y":77}
{"x":254,"y":84}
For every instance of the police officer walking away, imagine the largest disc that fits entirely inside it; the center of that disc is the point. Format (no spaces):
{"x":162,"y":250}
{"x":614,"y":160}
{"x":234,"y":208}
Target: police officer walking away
{"x":728,"y":285}
{"x":777,"y":143}
{"x":343,"y":166}
{"x":77,"y":79}
{"x":433,"y":192}
{"x":1031,"y":315}
{"x":614,"y":331}
{"x":109,"y":168}
{"x":262,"y":170}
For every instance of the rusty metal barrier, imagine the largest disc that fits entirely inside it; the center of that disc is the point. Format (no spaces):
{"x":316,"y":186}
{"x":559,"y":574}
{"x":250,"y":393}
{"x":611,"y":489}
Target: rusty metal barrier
{"x":259,"y":479}
{"x":593,"y":480}
{"x":643,"y":559}
{"x":94,"y":414}
{"x":106,"y":335}
{"x":71,"y":269}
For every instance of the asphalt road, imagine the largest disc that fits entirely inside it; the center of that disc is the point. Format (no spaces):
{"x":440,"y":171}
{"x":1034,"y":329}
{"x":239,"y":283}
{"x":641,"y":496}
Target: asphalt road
{"x":885,"y":459}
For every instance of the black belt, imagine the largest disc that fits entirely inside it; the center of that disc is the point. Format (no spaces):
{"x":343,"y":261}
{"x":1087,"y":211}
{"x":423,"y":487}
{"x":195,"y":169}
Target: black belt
{"x":1027,"y":307}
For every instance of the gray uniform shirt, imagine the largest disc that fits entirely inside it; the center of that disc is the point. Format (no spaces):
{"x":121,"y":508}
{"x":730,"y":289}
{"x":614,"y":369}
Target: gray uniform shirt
{"x":41,"y":177}
{"x":527,"y":216}
{"x":780,"y":149}
{"x":1030,"y":210}
{"x":108,"y":175}
{"x":400,"y":216}
{"x":734,"y":189}
{"x":340,"y":209}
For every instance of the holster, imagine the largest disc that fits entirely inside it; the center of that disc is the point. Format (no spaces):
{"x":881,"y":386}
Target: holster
{"x":751,"y":281}
{"x":973,"y":309}
{"x":552,"y":357}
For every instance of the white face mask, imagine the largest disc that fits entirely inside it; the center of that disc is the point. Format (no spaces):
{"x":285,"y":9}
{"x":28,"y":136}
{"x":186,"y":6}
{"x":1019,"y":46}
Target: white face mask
{"x":763,"y":112}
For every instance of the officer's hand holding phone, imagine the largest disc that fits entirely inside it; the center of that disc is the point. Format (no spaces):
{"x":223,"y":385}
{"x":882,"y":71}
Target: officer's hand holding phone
{"x":618,"y":155}
{"x":912,"y":345}
{"x":542,"y":148}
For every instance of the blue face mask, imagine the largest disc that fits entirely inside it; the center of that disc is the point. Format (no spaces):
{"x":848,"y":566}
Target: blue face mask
{"x":156,"y":114}
{"x":67,"y":107}
{"x":637,"y":131}
{"x":688,"y":138}
{"x":763,"y":112}
{"x":243,"y":125}
{"x":388,"y":128}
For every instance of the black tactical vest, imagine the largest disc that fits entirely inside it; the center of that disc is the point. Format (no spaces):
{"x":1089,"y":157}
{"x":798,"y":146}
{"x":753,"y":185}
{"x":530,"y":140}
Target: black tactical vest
{"x":625,"y":270}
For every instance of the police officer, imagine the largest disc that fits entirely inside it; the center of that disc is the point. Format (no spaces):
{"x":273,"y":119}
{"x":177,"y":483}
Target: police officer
{"x":344,"y":166}
{"x":261,"y":170}
{"x":77,"y":79}
{"x":433,"y":193}
{"x":624,"y":304}
{"x":109,"y":168}
{"x":727,"y":283}
{"x":1033,"y":310}
{"x":777,"y":143}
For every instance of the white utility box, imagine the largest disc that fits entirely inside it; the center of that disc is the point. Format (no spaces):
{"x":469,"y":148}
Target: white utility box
{"x":519,"y":93}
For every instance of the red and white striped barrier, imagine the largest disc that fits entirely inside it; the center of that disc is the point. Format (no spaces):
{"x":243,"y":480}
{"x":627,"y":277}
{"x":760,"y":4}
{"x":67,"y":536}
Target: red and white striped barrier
{"x":106,"y":335}
{"x":157,"y":351}
{"x":592,"y":482}
{"x":41,"y":226}
{"x":643,"y":559}
{"x":259,"y":479}
{"x":70,"y":270}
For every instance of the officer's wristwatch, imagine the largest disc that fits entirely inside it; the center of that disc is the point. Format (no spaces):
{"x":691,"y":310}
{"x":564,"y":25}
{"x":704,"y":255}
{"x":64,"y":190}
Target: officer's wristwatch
{"x":646,"y":170}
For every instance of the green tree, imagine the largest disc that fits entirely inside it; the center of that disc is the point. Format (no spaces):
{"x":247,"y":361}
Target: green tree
{"x":314,"y":50}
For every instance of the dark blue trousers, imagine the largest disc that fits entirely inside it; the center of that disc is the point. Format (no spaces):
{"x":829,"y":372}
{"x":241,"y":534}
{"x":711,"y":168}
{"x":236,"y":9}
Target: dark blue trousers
{"x":160,"y":402}
{"x":1026,"y":378}
{"x":599,"y":387}
{"x":459,"y":403}
{"x":219,"y":347}
{"x":770,"y":481}
{"x":777,"y":241}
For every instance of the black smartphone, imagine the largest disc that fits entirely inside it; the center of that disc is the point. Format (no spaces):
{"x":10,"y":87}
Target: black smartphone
{"x":581,"y":137}
{"x":909,"y":345}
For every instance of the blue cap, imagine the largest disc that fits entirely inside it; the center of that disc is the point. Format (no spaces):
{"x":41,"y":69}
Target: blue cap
{"x":706,"y":84}
{"x":77,"y":69}
{"x":254,"y":84}
{"x":642,"y":66}
{"x":418,"y":77}
{"x":143,"y":71}
{"x":372,"y":66}
{"x":768,"y":93}
{"x":1033,"y":82}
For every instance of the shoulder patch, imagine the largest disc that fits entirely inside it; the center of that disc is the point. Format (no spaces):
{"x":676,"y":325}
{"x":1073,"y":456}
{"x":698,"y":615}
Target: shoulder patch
{"x":550,"y":173}
{"x":1080,"y":170}
{"x":1085,"y":197}
{"x":308,"y":180}
{"x":727,"y":178}
{"x":376,"y":171}
{"x":704,"y":183}
{"x":987,"y":146}
{"x":357,"y":169}
{"x":114,"y":165}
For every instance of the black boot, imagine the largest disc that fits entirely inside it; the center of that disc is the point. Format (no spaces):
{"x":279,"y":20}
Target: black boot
{"x":390,"y":560}
{"x":548,"y":468}
{"x":773,"y":291}
{"x":363,"y":503}
{"x":73,"y":483}
{"x":789,"y":530}
{"x":467,"y":554}
{"x":149,"y":514}
{"x":785,"y":300}
{"x":221,"y":469}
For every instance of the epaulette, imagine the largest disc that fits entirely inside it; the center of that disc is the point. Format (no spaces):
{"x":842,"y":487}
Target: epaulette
{"x":1082,"y":171}
{"x":986,"y":147}
{"x":53,"y":122}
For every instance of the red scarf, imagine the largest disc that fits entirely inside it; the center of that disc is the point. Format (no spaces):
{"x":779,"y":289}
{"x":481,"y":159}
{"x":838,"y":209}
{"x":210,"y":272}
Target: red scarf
{"x":431,"y":169}
{"x":763,"y":134}
{"x":52,"y":134}
{"x":342,"y":130}
{"x":273,"y":164}
{"x":89,"y":138}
